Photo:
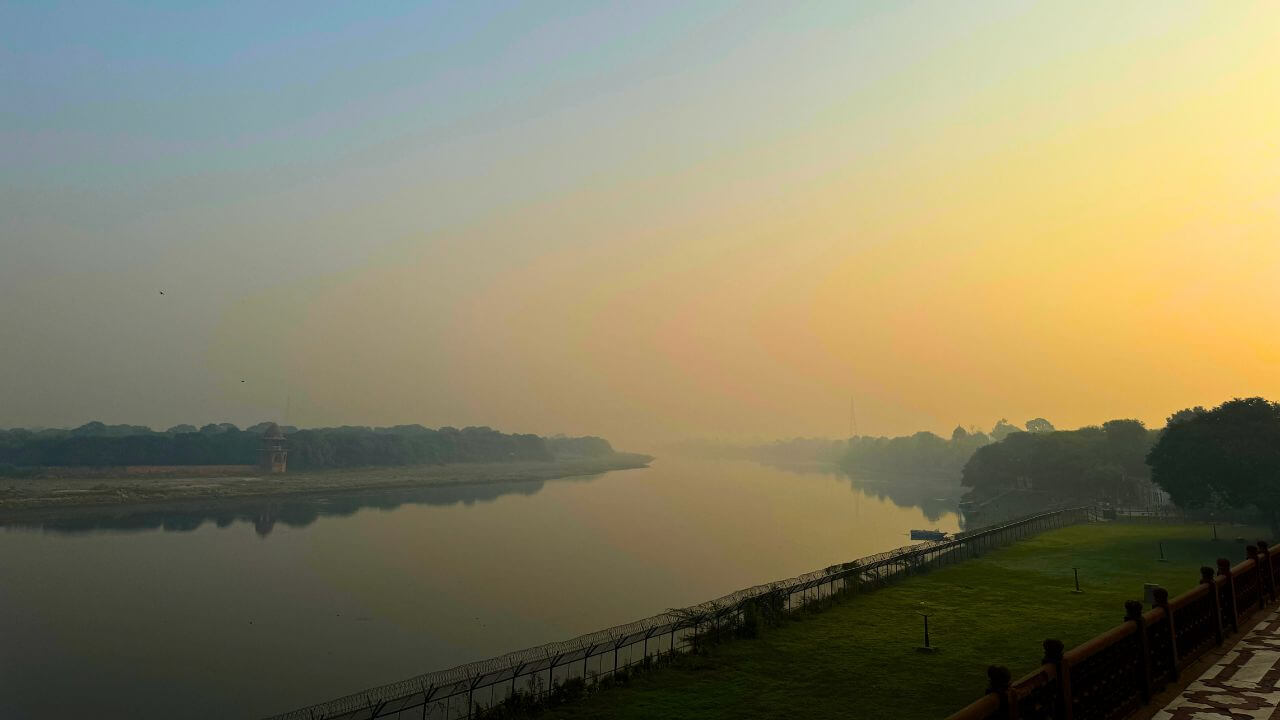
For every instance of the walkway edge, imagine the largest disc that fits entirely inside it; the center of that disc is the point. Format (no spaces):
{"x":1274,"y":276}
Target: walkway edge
{"x":1194,"y":671}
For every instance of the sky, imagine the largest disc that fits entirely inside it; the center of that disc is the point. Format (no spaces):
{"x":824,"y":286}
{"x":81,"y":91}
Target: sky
{"x":639,"y":220}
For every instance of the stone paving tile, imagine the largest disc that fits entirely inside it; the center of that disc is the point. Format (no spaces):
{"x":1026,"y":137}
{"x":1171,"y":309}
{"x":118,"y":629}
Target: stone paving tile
{"x":1243,"y":685}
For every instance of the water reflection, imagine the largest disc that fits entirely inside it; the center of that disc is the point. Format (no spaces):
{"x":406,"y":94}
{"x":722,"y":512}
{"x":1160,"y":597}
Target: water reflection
{"x":327,"y":606}
{"x":265,"y":513}
{"x":935,"y":497}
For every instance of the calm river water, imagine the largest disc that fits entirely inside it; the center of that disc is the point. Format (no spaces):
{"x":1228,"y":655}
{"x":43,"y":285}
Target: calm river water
{"x":261,"y":608}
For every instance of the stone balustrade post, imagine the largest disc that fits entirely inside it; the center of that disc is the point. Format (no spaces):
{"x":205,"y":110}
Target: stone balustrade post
{"x":998,"y":680}
{"x":1162,"y":602}
{"x":1229,"y":603}
{"x":1133,"y":613}
{"x":1054,"y":655}
{"x":1206,"y":578}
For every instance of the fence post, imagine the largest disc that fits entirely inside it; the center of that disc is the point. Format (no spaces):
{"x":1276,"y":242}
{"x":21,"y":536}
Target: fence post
{"x":1229,"y":605}
{"x":1267,"y":569}
{"x":1268,"y":572}
{"x":1206,"y":578}
{"x":1274,"y":558}
{"x":590,"y":648}
{"x":551,"y":672}
{"x":998,"y":679}
{"x":426,"y":698}
{"x":1251,"y":553}
{"x":515,"y":673}
{"x":1053,"y":656}
{"x":1162,"y":601}
{"x":471,"y":688}
{"x":1133,"y":613}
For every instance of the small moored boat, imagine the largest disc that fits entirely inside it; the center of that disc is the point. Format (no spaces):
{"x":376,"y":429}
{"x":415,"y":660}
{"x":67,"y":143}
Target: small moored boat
{"x":928,"y":535}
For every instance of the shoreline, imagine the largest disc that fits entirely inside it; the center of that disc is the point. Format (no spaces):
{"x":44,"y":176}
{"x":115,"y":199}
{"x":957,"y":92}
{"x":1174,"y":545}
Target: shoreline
{"x":28,"y":498}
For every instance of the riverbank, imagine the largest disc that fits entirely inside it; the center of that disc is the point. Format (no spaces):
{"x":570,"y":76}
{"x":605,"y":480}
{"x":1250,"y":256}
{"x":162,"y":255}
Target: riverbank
{"x":22,"y":497}
{"x":858,"y":659}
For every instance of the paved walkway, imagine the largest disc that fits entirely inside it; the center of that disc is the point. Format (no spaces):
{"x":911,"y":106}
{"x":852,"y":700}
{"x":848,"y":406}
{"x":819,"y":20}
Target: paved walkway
{"x":1243,"y":685}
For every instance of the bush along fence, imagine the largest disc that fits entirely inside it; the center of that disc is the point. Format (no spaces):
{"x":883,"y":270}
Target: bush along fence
{"x":1119,"y":671}
{"x":558,"y":671}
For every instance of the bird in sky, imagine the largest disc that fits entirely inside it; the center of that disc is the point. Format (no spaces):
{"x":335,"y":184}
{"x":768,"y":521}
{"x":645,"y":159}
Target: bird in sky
{"x":161,"y":292}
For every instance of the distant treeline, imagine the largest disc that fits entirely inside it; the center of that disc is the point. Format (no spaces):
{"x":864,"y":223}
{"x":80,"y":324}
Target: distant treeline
{"x":925,"y":453}
{"x":1227,"y":457}
{"x":922,"y":453}
{"x":99,"y":445}
{"x":586,"y":446}
{"x":1089,"y":464}
{"x":1108,"y":463}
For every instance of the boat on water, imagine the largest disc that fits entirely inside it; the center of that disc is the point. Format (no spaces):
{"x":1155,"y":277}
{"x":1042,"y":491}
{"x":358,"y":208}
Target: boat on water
{"x":928,"y":535}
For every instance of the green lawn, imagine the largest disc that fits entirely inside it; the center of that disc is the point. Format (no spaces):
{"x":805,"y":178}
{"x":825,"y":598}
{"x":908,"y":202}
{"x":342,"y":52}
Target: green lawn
{"x":858,"y":659}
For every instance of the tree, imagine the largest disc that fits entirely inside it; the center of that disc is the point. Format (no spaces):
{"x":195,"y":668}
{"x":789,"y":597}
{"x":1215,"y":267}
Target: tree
{"x":1127,"y":444}
{"x":1039,"y":425}
{"x":89,"y":429}
{"x":223,"y":444}
{"x":1002,"y":429}
{"x":1185,"y":414}
{"x":1231,"y":453}
{"x":1084,"y":465}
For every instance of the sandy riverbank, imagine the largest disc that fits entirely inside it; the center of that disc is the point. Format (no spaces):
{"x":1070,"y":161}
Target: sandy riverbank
{"x":22,"y":495}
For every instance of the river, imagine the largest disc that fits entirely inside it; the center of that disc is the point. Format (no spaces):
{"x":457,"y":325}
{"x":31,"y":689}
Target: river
{"x":248,"y":610}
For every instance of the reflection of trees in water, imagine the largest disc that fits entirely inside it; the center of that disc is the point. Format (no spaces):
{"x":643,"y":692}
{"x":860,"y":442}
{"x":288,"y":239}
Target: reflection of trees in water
{"x":935,"y":497}
{"x":297,"y":511}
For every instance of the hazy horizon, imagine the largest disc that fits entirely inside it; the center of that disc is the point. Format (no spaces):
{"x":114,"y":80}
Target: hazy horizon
{"x":644,"y":223}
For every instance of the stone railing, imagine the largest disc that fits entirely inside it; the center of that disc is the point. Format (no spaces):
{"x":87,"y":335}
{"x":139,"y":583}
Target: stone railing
{"x":1119,"y":671}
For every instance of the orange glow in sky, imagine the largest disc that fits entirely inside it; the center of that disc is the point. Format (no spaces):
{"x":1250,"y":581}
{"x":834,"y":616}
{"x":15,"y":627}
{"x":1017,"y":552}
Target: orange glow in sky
{"x":1056,"y":209}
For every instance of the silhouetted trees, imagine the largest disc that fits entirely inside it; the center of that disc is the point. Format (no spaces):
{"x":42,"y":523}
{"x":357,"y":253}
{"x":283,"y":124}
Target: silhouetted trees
{"x":408,"y":445}
{"x":98,"y":445}
{"x":1228,"y":455}
{"x":1092,"y":463}
{"x":920,"y":454}
{"x":1002,"y":429}
{"x":587,"y":446}
{"x":1039,"y":425}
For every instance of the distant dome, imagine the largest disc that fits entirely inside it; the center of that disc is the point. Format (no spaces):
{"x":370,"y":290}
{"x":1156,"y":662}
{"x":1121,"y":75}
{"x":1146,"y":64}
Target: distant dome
{"x":273,"y":432}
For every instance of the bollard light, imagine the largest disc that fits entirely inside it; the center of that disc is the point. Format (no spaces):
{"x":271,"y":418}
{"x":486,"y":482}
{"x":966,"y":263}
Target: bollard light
{"x":926,"y":648}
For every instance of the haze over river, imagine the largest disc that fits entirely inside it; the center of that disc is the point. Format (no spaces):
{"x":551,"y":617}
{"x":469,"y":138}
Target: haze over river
{"x":252,"y":609}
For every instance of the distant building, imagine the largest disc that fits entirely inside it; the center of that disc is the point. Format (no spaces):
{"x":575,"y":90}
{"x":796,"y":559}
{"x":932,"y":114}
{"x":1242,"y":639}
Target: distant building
{"x":273,"y":453}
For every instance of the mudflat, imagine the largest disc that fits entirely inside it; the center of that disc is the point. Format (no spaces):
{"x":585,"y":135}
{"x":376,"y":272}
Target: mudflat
{"x":23,"y":495}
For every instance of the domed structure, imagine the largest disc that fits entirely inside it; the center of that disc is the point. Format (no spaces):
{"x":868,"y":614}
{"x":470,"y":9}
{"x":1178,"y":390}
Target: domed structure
{"x":273,"y":453}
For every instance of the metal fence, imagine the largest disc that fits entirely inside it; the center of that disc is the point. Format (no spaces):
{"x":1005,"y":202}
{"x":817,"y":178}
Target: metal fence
{"x":1119,"y":671}
{"x":466,"y":690}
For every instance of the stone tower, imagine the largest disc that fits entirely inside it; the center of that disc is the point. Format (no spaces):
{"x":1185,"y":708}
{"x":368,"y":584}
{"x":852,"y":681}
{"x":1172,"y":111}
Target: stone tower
{"x":273,"y":452}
